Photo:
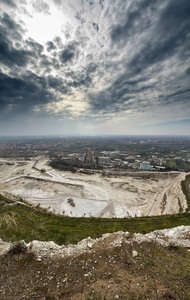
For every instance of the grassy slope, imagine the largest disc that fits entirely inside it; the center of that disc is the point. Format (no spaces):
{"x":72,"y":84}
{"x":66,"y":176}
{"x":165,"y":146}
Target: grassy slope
{"x":19,"y":222}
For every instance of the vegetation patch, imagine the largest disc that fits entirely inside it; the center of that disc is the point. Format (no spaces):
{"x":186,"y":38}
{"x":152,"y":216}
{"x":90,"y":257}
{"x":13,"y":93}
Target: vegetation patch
{"x":21,"y":222}
{"x":178,"y":164}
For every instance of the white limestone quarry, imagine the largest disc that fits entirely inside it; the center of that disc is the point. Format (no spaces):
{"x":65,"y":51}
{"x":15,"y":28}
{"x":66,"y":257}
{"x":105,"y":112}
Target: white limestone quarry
{"x":93,"y":195}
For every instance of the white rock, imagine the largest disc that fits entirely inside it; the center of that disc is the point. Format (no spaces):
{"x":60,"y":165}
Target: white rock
{"x":135,"y":253}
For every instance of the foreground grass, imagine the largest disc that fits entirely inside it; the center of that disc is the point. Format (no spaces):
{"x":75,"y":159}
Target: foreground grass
{"x":21,"y":222}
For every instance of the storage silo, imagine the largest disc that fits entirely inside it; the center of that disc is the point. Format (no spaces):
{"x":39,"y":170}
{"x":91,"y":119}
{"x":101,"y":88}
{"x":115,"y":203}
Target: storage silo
{"x":145,"y":165}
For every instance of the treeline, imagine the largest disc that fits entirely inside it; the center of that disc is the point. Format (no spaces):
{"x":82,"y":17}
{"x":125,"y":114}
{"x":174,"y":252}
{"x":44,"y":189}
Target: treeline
{"x":62,"y":165}
{"x":178,"y":165}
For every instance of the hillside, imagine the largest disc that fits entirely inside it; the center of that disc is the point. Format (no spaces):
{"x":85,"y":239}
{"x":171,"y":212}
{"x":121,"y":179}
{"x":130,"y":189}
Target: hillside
{"x":47,"y":255}
{"x":115,"y":265}
{"x":20,"y":221}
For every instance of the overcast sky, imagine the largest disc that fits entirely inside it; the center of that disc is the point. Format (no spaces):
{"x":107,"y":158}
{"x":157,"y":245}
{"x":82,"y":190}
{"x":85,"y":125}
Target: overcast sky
{"x":74,"y":67}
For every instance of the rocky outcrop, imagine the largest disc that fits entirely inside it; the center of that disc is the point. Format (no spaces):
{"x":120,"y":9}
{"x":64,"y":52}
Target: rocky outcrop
{"x":178,"y":236}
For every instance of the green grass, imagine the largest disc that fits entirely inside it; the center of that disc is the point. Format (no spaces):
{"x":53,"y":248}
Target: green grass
{"x":19,"y":222}
{"x":178,"y":164}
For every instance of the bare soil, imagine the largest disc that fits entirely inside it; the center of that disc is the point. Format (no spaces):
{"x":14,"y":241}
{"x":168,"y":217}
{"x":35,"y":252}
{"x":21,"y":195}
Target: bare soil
{"x":107,"y":270}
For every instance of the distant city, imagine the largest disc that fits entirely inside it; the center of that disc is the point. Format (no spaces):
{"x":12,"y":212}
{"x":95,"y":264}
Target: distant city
{"x":110,"y":152}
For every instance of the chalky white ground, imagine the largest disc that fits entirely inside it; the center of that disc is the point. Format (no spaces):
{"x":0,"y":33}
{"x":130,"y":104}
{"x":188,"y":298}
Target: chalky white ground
{"x":93,"y":195}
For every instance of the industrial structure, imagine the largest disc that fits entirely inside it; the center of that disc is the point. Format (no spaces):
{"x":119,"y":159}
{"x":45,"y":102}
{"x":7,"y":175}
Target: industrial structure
{"x":145,"y":165}
{"x":88,"y":156}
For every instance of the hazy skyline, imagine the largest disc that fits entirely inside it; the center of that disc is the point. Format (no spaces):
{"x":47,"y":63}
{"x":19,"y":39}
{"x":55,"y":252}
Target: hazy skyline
{"x":94,"y":67}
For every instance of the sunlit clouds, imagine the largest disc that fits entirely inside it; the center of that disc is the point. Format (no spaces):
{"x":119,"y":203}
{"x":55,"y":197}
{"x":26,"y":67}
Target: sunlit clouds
{"x":107,"y":66}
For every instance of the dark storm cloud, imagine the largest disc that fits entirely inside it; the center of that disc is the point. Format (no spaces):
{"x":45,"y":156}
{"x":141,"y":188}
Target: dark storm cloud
{"x":9,"y":28}
{"x":11,"y":31}
{"x":187,"y":71}
{"x":154,"y":53}
{"x":66,"y":55}
{"x":91,"y":68}
{"x":175,"y":16}
{"x":58,"y":42}
{"x":69,"y":53}
{"x":137,"y":20}
{"x":22,"y":90}
{"x":126,"y":93}
{"x":22,"y":94}
{"x":55,"y":64}
{"x":56,"y":83}
{"x":127,"y":55}
{"x":50,"y":46}
{"x":9,"y":2}
{"x":171,"y":37}
{"x":118,"y":96}
{"x":45,"y":63}
{"x":83,"y":78}
{"x":180,"y":92}
{"x":12,"y":57}
{"x":35,"y":47}
{"x":166,"y":41}
{"x":16,"y":53}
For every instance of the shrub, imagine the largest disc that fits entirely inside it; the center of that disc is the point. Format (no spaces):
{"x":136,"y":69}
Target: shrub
{"x":17,"y":248}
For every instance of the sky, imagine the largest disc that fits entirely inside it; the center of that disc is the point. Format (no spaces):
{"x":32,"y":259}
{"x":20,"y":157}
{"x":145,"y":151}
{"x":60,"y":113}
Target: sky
{"x":93,"y":67}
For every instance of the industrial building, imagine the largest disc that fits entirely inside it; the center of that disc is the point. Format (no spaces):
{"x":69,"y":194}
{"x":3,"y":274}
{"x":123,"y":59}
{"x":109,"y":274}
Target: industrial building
{"x":88,"y":156}
{"x":145,"y":165}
